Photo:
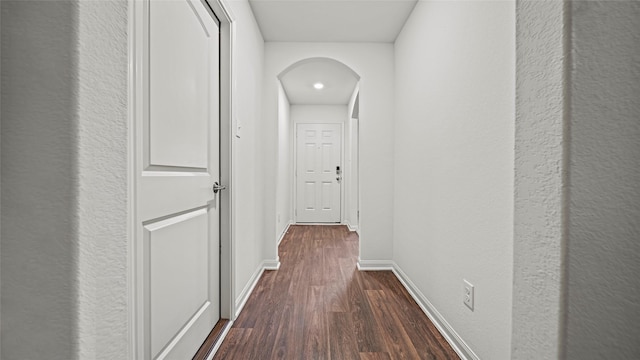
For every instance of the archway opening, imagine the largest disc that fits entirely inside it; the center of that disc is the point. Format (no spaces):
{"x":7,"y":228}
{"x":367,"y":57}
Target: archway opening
{"x":317,"y":176}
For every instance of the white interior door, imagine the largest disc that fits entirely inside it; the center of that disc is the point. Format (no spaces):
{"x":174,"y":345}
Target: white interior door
{"x":318,"y":180}
{"x":178,"y":149}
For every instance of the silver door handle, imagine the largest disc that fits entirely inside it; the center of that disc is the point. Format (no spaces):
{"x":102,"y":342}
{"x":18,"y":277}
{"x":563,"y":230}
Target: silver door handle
{"x":217,"y":187}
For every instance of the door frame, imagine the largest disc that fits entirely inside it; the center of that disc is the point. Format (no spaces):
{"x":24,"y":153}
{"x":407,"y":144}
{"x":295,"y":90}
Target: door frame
{"x":294,"y":188}
{"x":137,"y":17}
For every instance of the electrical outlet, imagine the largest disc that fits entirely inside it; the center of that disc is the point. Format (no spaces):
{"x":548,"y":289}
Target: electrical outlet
{"x":468,"y":294}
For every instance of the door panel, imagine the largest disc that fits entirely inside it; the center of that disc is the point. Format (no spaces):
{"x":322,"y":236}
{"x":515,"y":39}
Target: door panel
{"x":179,"y":66}
{"x":310,"y":195}
{"x":178,"y":149}
{"x":179,"y":286}
{"x":328,"y":157}
{"x":319,"y":151}
{"x":309,"y":156}
{"x":327,"y":195}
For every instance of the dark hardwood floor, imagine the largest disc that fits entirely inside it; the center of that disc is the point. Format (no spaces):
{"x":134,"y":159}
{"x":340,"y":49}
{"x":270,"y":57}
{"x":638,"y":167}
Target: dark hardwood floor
{"x":319,"y":306}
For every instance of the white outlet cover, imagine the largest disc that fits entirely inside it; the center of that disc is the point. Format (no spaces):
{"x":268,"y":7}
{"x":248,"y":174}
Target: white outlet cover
{"x":468,"y":294}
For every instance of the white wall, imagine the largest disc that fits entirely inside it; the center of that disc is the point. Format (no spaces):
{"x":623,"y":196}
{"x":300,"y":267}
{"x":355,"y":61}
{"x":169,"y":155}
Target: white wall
{"x":321,"y":114}
{"x":540,"y":177}
{"x":102,"y":206}
{"x":351,"y":165}
{"x":64,"y":183}
{"x":454,"y":139}
{"x":350,"y":175}
{"x":577,"y":181}
{"x":284,"y":213}
{"x":603,"y":251}
{"x":38,"y":106}
{"x":374,"y":64}
{"x":318,"y":114}
{"x":248,"y":177}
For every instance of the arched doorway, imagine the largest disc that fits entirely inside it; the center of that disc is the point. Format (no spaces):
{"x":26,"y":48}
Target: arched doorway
{"x":317,"y":171}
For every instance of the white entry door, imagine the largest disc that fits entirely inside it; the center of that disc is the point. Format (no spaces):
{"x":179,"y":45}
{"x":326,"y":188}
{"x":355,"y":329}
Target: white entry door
{"x":318,"y":173}
{"x":178,"y":161}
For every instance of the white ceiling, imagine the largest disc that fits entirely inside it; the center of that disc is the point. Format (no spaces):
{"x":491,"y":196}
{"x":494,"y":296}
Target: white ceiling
{"x":331,"y":20}
{"x":339,"y":82}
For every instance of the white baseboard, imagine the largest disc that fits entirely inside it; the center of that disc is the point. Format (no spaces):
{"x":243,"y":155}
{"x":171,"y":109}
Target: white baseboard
{"x":271,"y":264}
{"x":318,"y":223}
{"x":351,"y":227}
{"x":375,"y":265}
{"x":248,"y":289}
{"x":456,"y":342}
{"x":251,"y":284}
{"x":284,"y":232}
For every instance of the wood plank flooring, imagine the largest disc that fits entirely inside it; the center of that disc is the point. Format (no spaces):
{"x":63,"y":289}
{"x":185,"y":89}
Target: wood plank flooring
{"x":319,"y":306}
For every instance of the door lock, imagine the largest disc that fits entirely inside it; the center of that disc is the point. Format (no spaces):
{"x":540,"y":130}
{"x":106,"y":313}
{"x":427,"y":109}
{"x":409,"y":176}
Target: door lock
{"x":217,"y":187}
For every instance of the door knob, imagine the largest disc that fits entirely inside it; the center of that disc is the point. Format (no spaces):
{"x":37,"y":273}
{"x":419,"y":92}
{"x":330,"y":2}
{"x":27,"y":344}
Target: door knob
{"x":217,"y":187}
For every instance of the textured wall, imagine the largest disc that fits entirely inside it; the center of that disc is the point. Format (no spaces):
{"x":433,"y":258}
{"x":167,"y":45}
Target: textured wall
{"x":454,"y":138}
{"x":539,"y":179}
{"x":101,"y":160}
{"x":604,"y":216}
{"x":39,"y":180}
{"x":64,"y":180}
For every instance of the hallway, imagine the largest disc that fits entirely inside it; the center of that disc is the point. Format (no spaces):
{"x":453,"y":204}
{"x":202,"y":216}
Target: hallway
{"x":319,"y":306}
{"x":496,"y":151}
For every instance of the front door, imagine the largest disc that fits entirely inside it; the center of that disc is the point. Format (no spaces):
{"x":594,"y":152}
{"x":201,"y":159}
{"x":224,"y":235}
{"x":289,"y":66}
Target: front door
{"x":318,"y":173}
{"x":178,"y":163}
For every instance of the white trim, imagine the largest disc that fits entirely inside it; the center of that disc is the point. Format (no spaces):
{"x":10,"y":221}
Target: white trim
{"x":132,"y":336}
{"x":251,"y":284}
{"x":375,"y":265}
{"x":271,"y":264}
{"x":227,"y":157}
{"x":351,"y":227}
{"x":293,"y":151}
{"x":343,"y":188}
{"x":137,"y":10}
{"x":450,"y":335}
{"x":318,"y":224}
{"x":248,"y":289}
{"x":284,"y":232}
{"x":218,"y":342}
